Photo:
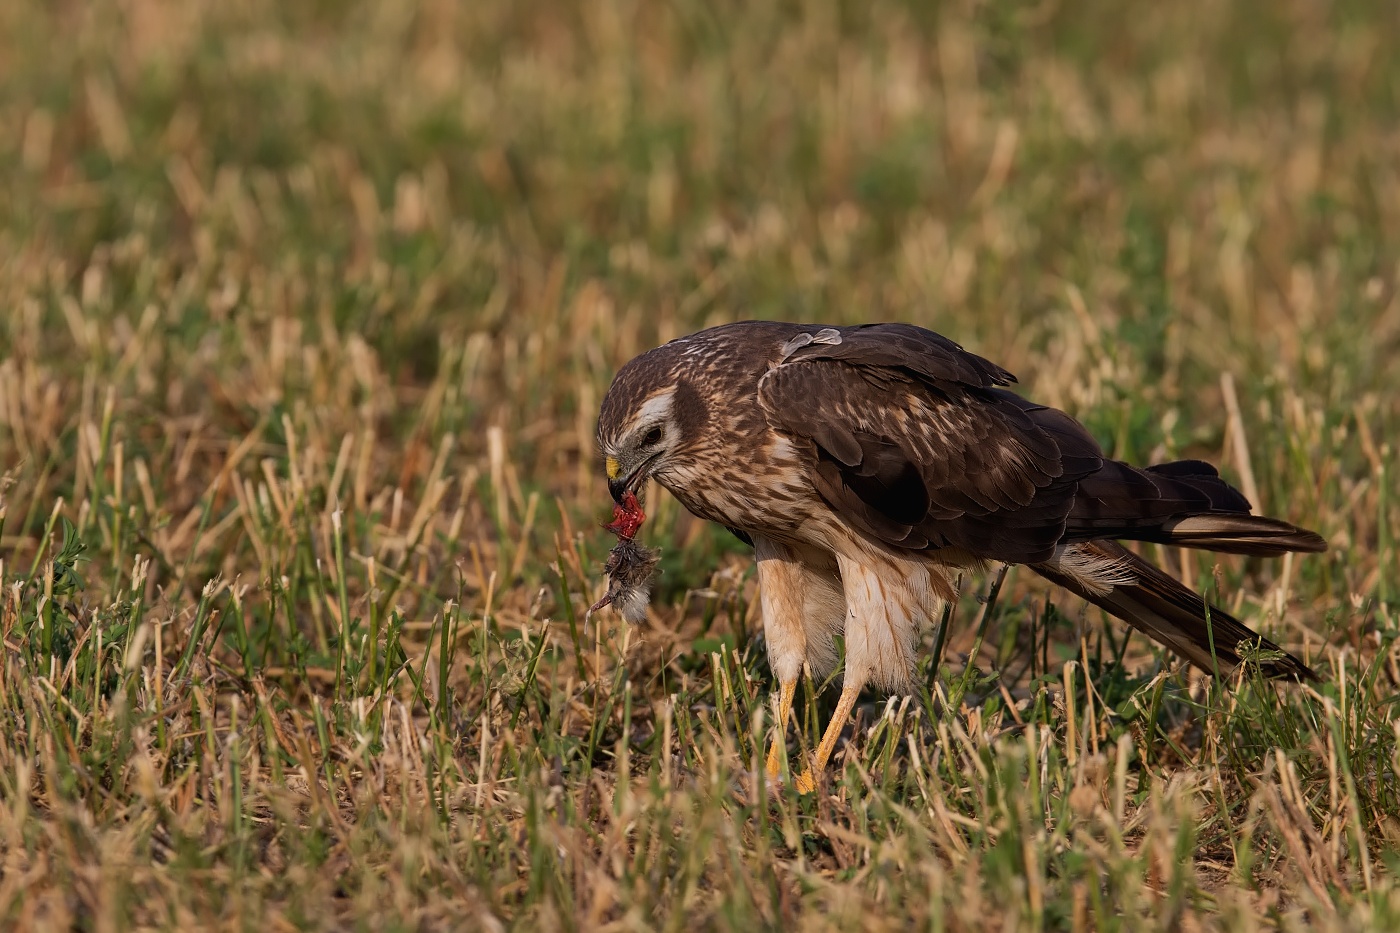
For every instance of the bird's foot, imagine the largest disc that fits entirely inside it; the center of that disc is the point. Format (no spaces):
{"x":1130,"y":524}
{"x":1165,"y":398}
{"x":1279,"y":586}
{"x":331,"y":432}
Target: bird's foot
{"x":776,"y":778}
{"x":774,"y":765}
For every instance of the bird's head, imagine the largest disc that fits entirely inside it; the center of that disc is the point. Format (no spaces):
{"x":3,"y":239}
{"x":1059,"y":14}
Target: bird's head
{"x":650,"y":423}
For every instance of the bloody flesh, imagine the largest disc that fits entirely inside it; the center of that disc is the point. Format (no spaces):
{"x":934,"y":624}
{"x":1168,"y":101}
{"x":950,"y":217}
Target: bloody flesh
{"x":630,"y":567}
{"x":627,"y":517}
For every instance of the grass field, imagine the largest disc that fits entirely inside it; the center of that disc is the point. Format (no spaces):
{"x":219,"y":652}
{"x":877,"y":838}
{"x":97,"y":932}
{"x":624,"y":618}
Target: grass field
{"x":305,"y":313}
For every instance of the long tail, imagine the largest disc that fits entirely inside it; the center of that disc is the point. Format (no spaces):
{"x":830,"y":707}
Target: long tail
{"x":1125,"y":585}
{"x":1236,"y":534}
{"x":1184,"y":503}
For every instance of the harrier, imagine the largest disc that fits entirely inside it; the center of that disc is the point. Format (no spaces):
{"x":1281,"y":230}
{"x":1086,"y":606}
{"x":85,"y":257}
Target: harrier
{"x":868,"y":466}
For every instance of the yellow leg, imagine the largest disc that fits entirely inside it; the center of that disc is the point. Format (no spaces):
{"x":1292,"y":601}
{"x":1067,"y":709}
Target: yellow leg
{"x":807,"y":781}
{"x":786,"y":691}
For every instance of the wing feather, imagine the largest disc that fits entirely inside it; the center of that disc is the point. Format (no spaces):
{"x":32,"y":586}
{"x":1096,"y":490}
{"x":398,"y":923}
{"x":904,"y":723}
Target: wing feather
{"x":915,"y":443}
{"x":909,"y":349}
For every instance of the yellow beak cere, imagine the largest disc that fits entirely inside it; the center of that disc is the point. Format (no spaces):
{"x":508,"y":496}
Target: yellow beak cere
{"x":613,"y":467}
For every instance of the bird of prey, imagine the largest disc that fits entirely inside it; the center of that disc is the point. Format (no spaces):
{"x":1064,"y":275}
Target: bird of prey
{"x":868,"y":466}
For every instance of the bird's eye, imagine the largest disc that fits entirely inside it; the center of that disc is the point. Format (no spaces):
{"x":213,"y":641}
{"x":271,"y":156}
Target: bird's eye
{"x":652,"y":438}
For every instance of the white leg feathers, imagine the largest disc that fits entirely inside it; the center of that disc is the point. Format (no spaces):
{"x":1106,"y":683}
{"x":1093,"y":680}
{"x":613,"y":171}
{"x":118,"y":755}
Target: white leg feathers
{"x":887,"y":601}
{"x":804,"y":608}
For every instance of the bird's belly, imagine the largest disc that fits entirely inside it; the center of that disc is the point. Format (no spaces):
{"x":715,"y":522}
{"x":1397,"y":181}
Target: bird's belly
{"x":748,"y":516}
{"x":775,"y":508}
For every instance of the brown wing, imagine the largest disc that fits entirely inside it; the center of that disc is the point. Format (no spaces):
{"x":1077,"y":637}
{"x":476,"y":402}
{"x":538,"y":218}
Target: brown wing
{"x":914,"y":442}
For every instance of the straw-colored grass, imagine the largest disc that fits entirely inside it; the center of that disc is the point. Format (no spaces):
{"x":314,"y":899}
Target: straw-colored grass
{"x":305,"y":313}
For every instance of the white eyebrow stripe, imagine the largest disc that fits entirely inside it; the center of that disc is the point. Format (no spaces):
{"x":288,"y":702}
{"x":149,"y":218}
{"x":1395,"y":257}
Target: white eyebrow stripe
{"x":656,"y":407}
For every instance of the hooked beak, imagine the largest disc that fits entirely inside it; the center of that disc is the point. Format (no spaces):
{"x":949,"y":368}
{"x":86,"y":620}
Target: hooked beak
{"x":619,"y":486}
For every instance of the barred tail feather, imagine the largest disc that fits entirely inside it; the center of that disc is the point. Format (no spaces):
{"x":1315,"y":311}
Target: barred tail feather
{"x":1239,"y":534}
{"x":1136,"y":591}
{"x":1184,"y":503}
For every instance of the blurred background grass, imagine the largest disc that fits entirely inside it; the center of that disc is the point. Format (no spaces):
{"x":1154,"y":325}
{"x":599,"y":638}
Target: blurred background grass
{"x":305,"y":313}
